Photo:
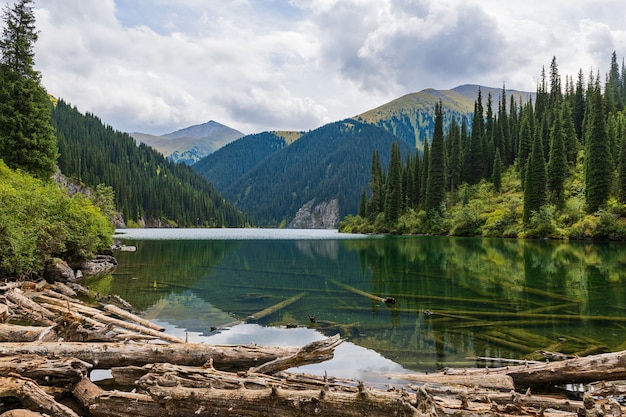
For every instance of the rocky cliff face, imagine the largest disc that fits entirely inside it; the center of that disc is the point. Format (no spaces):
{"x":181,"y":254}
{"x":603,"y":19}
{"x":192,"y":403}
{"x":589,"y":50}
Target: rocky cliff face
{"x":324,"y":215}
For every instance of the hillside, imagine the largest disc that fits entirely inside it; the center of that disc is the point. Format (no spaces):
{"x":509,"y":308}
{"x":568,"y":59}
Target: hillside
{"x":326,"y":164}
{"x":148,"y":188}
{"x":234,"y":160}
{"x":411,"y":117}
{"x":190,"y":144}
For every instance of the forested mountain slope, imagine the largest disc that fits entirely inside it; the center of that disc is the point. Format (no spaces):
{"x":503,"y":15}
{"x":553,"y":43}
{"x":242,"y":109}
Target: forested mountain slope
{"x":412,"y":117}
{"x":332,"y":162}
{"x":147,"y":186}
{"x":231,"y":162}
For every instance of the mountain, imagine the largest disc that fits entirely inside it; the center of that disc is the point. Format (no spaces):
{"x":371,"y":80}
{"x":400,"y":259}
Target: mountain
{"x":192,"y":143}
{"x":411,"y":117}
{"x":319,"y":176}
{"x":228,"y":164}
{"x":148,"y":188}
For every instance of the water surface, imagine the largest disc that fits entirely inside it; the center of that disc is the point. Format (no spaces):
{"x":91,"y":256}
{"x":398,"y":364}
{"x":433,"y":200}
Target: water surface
{"x":456,"y":299}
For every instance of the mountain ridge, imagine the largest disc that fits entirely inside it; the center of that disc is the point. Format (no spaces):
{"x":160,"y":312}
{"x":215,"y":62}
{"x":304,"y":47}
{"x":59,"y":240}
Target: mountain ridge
{"x":192,"y":143}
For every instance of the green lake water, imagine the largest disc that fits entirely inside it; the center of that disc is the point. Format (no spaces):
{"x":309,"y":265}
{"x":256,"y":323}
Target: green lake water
{"x":455,"y":298}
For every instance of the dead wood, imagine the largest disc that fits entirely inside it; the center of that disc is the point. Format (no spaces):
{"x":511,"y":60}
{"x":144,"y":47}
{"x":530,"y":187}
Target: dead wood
{"x":33,"y":397}
{"x":492,"y":382}
{"x":602,"y":367}
{"x":314,"y":352}
{"x":109,"y":355}
{"x":101,"y":403}
{"x":16,"y":333}
{"x":55,"y":371}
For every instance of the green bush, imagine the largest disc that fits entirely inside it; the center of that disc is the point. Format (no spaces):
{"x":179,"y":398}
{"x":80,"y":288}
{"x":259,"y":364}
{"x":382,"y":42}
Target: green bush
{"x":39,"y":221}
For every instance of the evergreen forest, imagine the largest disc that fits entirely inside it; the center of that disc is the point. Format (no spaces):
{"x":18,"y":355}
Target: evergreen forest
{"x":552,"y":168}
{"x":148,"y":187}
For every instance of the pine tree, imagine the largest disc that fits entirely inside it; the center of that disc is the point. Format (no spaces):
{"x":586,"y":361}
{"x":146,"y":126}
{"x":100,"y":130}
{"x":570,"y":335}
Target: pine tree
{"x":393,"y":194}
{"x":557,"y":163}
{"x":453,"y":145}
{"x":598,"y":167}
{"x":526,"y":135}
{"x":436,"y":183}
{"x":424,"y":172}
{"x":535,"y":181}
{"x":27,"y":139}
{"x":363,"y":205}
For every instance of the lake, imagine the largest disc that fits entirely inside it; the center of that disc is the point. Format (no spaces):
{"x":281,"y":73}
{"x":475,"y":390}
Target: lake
{"x":456,"y":299}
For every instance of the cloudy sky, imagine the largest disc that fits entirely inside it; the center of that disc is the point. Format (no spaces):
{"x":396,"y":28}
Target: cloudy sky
{"x":155,"y":66}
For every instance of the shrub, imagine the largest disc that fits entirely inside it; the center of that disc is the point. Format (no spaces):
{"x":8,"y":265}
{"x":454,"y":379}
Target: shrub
{"x":39,"y":221}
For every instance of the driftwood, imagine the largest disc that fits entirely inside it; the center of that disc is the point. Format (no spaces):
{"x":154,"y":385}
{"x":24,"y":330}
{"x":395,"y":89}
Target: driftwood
{"x":602,"y":367}
{"x":108,"y":355}
{"x":33,"y":397}
{"x":269,"y":310}
{"x":54,"y":371}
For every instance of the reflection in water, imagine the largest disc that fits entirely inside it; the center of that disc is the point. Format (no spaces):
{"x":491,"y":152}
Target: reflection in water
{"x":456,"y":298}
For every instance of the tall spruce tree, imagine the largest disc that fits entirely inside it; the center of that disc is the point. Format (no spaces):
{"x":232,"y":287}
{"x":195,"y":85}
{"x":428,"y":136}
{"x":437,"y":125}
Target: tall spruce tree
{"x":496,"y":173}
{"x":436,"y":182}
{"x":377,"y":184}
{"x":535,"y":181}
{"x":393,"y":193}
{"x":557,"y":163}
{"x":27,"y":139}
{"x":621,"y":171}
{"x":474,"y":162}
{"x":598,"y":167}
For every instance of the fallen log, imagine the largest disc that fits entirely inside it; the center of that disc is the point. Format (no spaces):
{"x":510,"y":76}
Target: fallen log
{"x":109,"y":355}
{"x":269,"y":310}
{"x":387,"y":300}
{"x":580,"y":370}
{"x":101,"y":403}
{"x":487,"y":381}
{"x":16,"y":333}
{"x":188,"y":402}
{"x":314,"y":352}
{"x":33,"y":397}
{"x":58,"y":372}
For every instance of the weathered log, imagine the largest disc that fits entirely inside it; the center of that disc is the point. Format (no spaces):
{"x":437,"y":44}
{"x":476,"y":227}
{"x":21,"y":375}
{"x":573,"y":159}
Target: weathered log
{"x":15,"y":333}
{"x":33,"y":397}
{"x":101,"y":403}
{"x":188,"y":402}
{"x":488,"y":381}
{"x":314,"y":352}
{"x":130,"y":316}
{"x":602,"y":367}
{"x":109,"y":355}
{"x":20,"y":413}
{"x":54,"y":371}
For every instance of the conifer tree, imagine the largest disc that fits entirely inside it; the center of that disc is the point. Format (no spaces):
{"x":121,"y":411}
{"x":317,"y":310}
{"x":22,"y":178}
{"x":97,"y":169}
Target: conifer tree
{"x":557,"y":163}
{"x":474,"y":163}
{"x":597,"y":153}
{"x":453,"y":145}
{"x":424,"y":172}
{"x":393,"y":193}
{"x":436,"y":183}
{"x":621,"y":171}
{"x":27,"y":139}
{"x":496,"y":175}
{"x":363,"y":205}
{"x":376,"y":185}
{"x":578,"y":106}
{"x":535,"y":181}
{"x":526,"y":135}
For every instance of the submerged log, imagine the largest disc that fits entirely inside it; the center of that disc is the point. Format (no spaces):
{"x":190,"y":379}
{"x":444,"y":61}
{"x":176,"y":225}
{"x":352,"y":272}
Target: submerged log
{"x":109,"y":355}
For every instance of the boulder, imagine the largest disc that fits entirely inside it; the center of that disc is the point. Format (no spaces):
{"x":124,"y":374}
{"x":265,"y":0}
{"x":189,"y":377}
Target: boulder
{"x":57,"y":270}
{"x":100,"y":265}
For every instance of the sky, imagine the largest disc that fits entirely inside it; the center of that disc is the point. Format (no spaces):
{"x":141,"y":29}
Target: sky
{"x":156,"y":66}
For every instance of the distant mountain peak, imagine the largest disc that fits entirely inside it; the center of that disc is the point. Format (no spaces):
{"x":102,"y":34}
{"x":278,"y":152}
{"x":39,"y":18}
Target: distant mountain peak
{"x":190,"y":144}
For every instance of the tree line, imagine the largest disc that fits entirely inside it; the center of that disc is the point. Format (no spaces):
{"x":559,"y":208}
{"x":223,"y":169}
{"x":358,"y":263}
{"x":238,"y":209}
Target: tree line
{"x":552,"y":167}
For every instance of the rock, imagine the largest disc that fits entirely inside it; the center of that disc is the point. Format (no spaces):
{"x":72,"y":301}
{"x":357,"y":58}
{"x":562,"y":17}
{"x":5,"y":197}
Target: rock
{"x":324,"y":215}
{"x":58,"y":270}
{"x":100,"y":265}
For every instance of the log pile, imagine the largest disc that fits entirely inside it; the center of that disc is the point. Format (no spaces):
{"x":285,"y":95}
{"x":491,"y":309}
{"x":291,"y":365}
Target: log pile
{"x":51,"y":341}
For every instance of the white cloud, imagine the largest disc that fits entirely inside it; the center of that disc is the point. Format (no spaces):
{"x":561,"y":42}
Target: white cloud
{"x":159,"y":65}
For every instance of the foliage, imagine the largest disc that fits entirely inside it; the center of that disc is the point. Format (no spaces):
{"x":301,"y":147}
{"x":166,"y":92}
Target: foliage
{"x":38,"y":221}
{"x":330,"y":162}
{"x":146,"y":185}
{"x":27,"y":138}
{"x":507,"y":189}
